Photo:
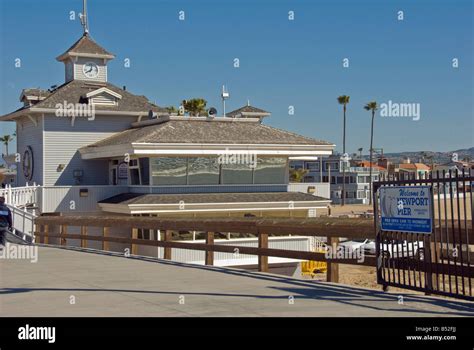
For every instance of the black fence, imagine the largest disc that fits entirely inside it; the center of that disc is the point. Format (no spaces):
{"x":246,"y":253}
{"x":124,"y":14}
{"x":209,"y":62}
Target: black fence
{"x":438,"y":262}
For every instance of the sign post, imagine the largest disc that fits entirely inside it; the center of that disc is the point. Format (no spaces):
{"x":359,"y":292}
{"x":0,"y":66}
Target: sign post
{"x":406,"y":209}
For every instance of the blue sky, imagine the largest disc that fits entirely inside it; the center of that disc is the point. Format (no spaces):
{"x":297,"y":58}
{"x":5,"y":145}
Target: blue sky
{"x":282,"y":63}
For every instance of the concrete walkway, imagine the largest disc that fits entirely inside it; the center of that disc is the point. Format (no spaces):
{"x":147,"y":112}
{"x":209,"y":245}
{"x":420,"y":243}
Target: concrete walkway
{"x":105,"y":285}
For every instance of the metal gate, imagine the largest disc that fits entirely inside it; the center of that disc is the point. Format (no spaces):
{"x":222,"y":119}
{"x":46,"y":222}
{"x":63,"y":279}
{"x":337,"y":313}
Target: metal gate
{"x":438,"y":262}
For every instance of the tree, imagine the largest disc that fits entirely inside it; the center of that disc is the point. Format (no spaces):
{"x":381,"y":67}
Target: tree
{"x":172,"y":110}
{"x":360,"y":152}
{"x":297,"y":175}
{"x":6,"y":140}
{"x":195,"y":106}
{"x":372,"y":107}
{"x":344,"y":100}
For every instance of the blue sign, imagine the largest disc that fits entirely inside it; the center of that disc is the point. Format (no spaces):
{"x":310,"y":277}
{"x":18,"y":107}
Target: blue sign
{"x":406,"y":209}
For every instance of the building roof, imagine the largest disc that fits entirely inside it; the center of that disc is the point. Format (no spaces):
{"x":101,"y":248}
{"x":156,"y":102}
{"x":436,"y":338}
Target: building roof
{"x":185,"y":130}
{"x":137,"y":198}
{"x":367,"y":164}
{"x":247,"y":111}
{"x":40,"y":93}
{"x":414,"y":166}
{"x":85,"y":46}
{"x":75,"y":92}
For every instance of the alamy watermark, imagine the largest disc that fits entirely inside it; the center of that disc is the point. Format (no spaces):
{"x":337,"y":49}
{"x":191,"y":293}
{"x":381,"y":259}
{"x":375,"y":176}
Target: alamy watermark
{"x":400,"y":110}
{"x":238,"y":157}
{"x":334,"y":252}
{"x":19,"y":252}
{"x":75,"y":110}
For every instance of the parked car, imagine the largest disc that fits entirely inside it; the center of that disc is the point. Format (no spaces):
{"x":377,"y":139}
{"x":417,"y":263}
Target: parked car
{"x":354,"y":245}
{"x":397,"y":249}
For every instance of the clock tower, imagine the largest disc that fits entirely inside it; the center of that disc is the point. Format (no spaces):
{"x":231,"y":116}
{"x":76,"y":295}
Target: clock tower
{"x":85,"y":59}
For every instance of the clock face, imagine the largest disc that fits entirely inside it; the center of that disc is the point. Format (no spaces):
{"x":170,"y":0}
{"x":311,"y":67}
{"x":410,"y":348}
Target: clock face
{"x":91,"y":70}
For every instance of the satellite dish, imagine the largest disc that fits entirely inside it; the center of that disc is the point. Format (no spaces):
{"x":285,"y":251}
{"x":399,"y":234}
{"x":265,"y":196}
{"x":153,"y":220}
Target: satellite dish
{"x":212,"y":112}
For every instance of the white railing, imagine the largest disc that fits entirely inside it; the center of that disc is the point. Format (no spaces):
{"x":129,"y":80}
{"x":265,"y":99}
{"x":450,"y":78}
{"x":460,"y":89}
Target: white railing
{"x":22,"y":222}
{"x":20,"y":196}
{"x":320,"y":189}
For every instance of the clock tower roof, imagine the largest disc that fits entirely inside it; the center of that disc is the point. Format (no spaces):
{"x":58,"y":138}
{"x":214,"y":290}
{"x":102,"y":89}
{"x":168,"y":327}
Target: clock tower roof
{"x":86,"y":47}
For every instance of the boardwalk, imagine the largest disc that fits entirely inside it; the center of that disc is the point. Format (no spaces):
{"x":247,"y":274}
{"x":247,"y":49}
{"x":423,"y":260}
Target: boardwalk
{"x":106,"y":285}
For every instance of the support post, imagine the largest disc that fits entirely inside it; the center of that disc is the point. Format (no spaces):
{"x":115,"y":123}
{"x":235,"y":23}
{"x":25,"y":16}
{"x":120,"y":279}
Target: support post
{"x":332,"y":274}
{"x":46,"y":231}
{"x":134,"y":248}
{"x":63,"y":232}
{"x":84,"y":233}
{"x":263,"y":259}
{"x":105,"y":234}
{"x":209,"y":253}
{"x":167,"y":250}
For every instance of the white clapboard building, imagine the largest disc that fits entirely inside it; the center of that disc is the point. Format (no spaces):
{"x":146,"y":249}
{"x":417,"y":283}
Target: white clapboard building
{"x":90,"y":146}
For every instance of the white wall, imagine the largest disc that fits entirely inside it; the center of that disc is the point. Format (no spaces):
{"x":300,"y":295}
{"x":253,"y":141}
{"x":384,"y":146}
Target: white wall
{"x":29,"y":134}
{"x":62,"y":141}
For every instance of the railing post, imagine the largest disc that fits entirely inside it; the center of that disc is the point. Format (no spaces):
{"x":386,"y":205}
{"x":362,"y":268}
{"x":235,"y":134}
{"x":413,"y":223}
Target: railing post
{"x":105,"y":233}
{"x":46,"y":238}
{"x":332,"y":274}
{"x":263,"y":259}
{"x":63,"y":232}
{"x":134,"y":246}
{"x":167,"y":250}
{"x":209,"y":253}
{"x":84,"y":233}
{"x":40,"y":232}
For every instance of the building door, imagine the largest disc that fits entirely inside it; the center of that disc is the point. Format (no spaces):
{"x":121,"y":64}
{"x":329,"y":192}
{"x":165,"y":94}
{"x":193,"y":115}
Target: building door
{"x":113,"y":176}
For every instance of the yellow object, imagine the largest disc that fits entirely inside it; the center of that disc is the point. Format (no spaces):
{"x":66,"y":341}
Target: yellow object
{"x":311,"y":268}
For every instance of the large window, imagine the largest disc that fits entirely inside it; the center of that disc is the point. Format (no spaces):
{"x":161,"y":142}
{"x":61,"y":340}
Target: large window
{"x":270,"y":170}
{"x":236,"y":174}
{"x":168,"y":171}
{"x":208,"y":171}
{"x":203,"y":171}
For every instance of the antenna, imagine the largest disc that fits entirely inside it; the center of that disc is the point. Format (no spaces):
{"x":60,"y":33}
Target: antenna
{"x":83,"y":17}
{"x":225,"y":95}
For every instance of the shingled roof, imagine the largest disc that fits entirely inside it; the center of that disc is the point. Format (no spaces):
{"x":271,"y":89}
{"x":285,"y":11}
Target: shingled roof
{"x":194,"y":131}
{"x":249,"y":110}
{"x":75,"y":91}
{"x":134,"y":198}
{"x":85,"y":45}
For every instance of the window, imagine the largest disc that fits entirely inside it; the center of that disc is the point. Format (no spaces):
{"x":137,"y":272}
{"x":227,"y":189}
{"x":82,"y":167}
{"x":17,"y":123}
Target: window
{"x":168,"y":171}
{"x":145,"y":170}
{"x":270,"y":170}
{"x":334,"y":166}
{"x":208,"y":171}
{"x":361,"y":194}
{"x":236,"y":174}
{"x":203,"y":171}
{"x":312,"y":166}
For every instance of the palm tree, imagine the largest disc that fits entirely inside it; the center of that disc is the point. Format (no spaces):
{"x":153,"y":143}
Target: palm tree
{"x":195,"y":107}
{"x":297,"y":175}
{"x":6,"y":140}
{"x":343,"y":100}
{"x":371,"y":106}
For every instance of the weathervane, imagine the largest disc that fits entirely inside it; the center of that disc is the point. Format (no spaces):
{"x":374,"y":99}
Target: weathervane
{"x":83,"y":17}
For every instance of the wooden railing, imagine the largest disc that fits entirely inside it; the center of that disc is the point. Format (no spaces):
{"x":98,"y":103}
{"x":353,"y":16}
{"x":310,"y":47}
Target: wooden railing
{"x":332,"y":228}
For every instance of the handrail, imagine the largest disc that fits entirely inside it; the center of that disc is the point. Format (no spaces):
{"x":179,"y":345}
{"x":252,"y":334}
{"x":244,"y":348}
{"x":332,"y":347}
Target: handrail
{"x":330,"y":227}
{"x":321,"y":226}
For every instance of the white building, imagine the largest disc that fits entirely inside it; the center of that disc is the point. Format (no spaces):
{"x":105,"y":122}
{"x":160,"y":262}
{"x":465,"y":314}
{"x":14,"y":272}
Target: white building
{"x":93,"y":147}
